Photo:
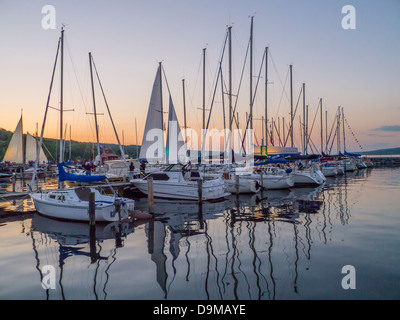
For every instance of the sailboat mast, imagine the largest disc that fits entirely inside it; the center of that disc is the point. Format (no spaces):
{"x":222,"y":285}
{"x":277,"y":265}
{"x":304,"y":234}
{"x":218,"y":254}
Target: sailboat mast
{"x":69,"y":142}
{"x":251,"y":73}
{"x":322,"y":141}
{"x":326,"y":130}
{"x":94,"y":104}
{"x":136,"y":141}
{"x":304,"y":118}
{"x":306,"y":132}
{"x":22,"y":139}
{"x":266,"y":96}
{"x":344,"y":134}
{"x":230,"y":79}
{"x":291,"y":106}
{"x":161,"y":101}
{"x":184,"y":106}
{"x":338,"y":130}
{"x":204,"y":88}
{"x":61,"y":160}
{"x":284,"y":135}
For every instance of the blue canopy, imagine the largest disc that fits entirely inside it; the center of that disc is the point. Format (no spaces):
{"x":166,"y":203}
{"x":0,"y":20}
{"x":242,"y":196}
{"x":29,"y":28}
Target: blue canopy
{"x":261,"y":163}
{"x":64,"y":176}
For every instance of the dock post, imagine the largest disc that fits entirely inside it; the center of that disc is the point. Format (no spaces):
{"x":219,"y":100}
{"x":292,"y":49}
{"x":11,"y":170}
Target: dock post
{"x":200,"y":193}
{"x":14,"y":180}
{"x":150,"y":194}
{"x":92,"y":211}
{"x":237,"y":185}
{"x":92,"y":226}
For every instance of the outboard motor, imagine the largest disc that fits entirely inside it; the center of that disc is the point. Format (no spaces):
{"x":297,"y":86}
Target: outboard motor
{"x":118,"y":203}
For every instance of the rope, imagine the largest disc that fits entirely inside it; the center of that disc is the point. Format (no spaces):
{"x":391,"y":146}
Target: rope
{"x":354,"y":136}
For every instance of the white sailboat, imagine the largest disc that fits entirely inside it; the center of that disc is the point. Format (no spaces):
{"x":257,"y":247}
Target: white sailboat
{"x":19,"y":154}
{"x":73,"y":203}
{"x":329,"y":170}
{"x":15,"y":149}
{"x":243,"y":186}
{"x":171,"y":182}
{"x":307,"y":176}
{"x":270,"y":177}
{"x":154,"y":120}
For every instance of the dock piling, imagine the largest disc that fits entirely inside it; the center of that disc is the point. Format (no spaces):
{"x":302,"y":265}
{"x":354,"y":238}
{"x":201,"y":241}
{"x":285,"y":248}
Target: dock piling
{"x":237,"y":185}
{"x":150,"y":194}
{"x":92,"y":211}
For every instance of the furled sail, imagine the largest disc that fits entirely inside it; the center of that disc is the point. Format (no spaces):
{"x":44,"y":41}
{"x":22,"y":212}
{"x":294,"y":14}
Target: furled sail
{"x":152,"y":148}
{"x":15,"y":151}
{"x":31,"y":150}
{"x":175,"y":140}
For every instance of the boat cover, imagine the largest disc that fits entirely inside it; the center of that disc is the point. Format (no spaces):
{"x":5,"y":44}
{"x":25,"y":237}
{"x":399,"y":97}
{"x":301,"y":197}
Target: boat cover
{"x":64,"y":176}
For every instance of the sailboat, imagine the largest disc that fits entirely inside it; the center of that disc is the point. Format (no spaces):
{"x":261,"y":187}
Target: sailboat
{"x":19,"y":154}
{"x":73,"y":203}
{"x":173,"y":182}
{"x":15,"y":149}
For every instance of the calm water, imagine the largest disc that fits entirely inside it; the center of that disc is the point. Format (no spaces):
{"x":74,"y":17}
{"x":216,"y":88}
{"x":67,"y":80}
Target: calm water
{"x":282,"y":247}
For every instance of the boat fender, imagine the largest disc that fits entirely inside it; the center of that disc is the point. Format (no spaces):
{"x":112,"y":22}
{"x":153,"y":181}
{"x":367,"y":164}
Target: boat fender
{"x":288,"y":170}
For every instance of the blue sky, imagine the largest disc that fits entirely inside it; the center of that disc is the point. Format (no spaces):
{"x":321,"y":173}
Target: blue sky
{"x":357,"y":69}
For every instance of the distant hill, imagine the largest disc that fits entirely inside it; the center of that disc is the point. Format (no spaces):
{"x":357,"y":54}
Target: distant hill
{"x":383,"y":152}
{"x":79,"y":150}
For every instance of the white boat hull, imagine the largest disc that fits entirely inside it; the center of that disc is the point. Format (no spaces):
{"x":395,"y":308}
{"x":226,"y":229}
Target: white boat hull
{"x":185,"y":190}
{"x":307,"y":178}
{"x":329,"y":171}
{"x":272,"y":182}
{"x":105,"y":211}
{"x":245,"y":186}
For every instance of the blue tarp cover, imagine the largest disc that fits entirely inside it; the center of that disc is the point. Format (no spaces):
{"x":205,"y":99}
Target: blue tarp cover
{"x":64,"y":176}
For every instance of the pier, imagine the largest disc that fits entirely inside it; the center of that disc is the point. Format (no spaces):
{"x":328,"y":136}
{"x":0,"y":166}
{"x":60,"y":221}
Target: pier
{"x":384,"y":161}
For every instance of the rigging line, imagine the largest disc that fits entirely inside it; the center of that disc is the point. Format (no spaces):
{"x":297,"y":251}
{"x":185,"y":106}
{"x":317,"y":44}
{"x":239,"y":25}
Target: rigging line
{"x":252,"y":101}
{"x":240,"y":84}
{"x":293,"y":116}
{"x":45,"y":115}
{"x":330,"y":133}
{"x":215,"y":88}
{"x":166,"y":81}
{"x":276,"y":70}
{"x":109,"y":113}
{"x":77,"y":78}
{"x":283,"y":91}
{"x":309,"y":134}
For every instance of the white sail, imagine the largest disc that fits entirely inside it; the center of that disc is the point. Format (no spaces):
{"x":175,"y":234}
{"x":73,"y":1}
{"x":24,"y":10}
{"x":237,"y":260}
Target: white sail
{"x":175,"y":140}
{"x":14,"y":152}
{"x":154,"y":121}
{"x":31,"y":150}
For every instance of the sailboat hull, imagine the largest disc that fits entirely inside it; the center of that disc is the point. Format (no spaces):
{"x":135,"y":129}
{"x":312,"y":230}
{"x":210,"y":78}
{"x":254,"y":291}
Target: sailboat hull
{"x":306,"y":178}
{"x":61,"y":207}
{"x":185,"y":190}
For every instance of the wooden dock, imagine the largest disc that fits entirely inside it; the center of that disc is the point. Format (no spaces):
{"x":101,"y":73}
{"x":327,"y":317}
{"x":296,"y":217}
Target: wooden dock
{"x":8,"y":196}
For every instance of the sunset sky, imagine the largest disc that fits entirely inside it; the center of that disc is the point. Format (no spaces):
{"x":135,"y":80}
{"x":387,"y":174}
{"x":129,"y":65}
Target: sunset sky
{"x":357,"y":69}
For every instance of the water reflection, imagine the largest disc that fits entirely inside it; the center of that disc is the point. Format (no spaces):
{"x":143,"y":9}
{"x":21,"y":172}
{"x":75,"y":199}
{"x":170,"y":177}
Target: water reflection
{"x":61,"y":243}
{"x":251,"y":247}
